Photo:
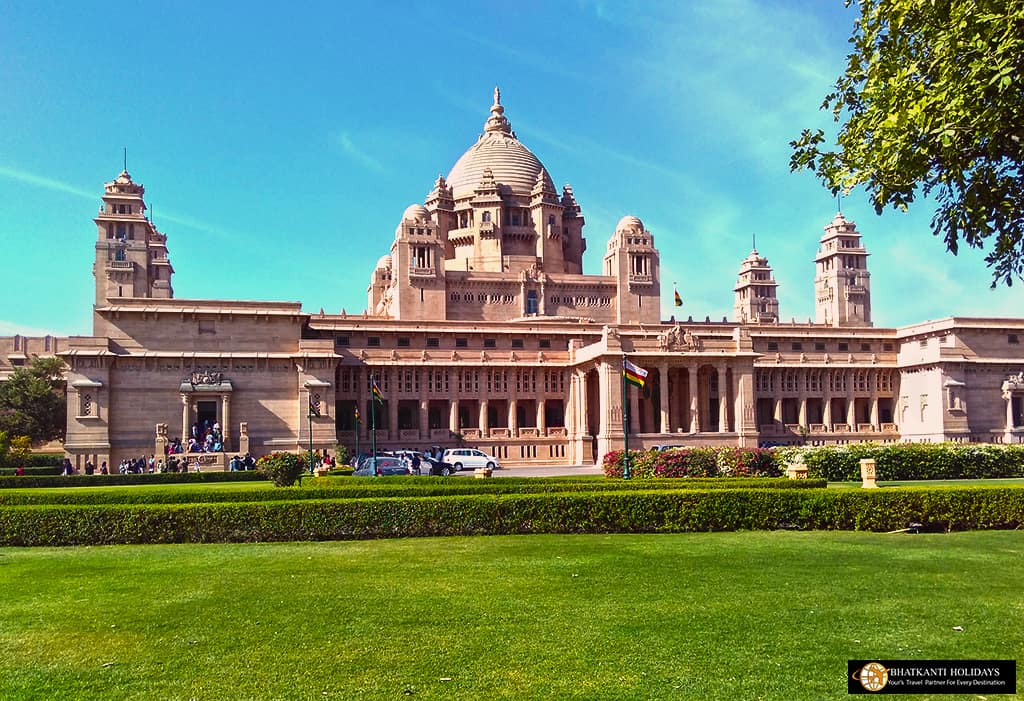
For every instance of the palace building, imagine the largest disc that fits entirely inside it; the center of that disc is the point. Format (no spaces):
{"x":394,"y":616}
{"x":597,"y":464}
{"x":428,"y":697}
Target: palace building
{"x":483,"y":329}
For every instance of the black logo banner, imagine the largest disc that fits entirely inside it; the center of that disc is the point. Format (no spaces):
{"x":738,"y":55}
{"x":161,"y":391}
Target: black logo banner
{"x":931,"y":676}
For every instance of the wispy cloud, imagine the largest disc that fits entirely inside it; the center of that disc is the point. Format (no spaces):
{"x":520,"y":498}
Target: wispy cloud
{"x":348,"y":147}
{"x":10,"y":328}
{"x":39,"y":181}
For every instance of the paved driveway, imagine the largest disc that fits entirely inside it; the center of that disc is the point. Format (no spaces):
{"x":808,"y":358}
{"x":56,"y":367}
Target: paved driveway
{"x":554,"y":471}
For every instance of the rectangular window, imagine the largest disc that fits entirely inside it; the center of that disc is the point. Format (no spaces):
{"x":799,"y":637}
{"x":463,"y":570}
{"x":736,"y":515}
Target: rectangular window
{"x":819,"y":347}
{"x":545,"y":343}
{"x":373,"y":341}
{"x":403,"y":341}
{"x":433,"y":343}
{"x":923,"y":343}
{"x":207,"y":326}
{"x":844,"y":347}
{"x":773,"y":346}
{"x":797,"y":346}
{"x":490,"y":343}
{"x":342,"y":341}
{"x":517,"y":343}
{"x":887,"y":346}
{"x":865,"y":346}
{"x":1012,"y":338}
{"x":461,"y":343}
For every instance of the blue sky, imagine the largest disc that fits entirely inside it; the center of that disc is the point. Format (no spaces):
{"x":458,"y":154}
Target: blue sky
{"x":279,"y":144}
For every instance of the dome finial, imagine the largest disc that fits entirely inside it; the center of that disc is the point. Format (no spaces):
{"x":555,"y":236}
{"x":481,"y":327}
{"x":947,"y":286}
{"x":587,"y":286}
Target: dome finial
{"x":497,"y":121}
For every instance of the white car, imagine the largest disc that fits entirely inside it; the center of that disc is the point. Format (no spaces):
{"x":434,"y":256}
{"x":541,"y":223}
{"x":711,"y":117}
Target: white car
{"x":469,"y":459}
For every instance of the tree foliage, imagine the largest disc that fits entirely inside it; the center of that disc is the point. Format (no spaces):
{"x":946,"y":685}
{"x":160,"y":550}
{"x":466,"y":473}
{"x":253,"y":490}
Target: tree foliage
{"x":32,"y":401}
{"x":932,"y":103}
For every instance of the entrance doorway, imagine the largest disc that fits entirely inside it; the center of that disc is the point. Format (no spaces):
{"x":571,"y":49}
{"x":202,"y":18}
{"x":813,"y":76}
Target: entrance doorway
{"x":206,"y":413}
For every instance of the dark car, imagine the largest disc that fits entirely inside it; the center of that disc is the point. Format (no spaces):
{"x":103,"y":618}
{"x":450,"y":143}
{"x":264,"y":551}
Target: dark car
{"x":382,"y":466}
{"x":428,"y":465}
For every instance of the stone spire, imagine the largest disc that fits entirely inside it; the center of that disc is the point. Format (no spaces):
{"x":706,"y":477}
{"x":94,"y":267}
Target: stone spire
{"x":497,"y":122}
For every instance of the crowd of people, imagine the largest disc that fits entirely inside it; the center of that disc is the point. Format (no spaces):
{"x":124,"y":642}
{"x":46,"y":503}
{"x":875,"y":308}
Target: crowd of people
{"x":206,"y":438}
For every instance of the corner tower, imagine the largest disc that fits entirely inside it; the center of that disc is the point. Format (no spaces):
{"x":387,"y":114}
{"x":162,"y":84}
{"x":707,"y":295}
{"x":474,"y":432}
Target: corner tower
{"x":131,"y":255}
{"x":634,"y":262}
{"x":756,"y":301}
{"x":842,"y":284}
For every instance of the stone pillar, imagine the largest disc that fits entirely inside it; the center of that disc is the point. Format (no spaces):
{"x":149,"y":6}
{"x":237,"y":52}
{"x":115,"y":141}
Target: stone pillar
{"x":185,"y":433}
{"x":826,"y":399}
{"x":225,"y":420}
{"x":392,"y":399}
{"x":663,"y":379}
{"x":633,"y":395}
{"x":777,"y":410}
{"x":802,"y":417}
{"x":867,"y":473}
{"x":604,"y":403}
{"x":723,"y":400}
{"x":243,"y":437}
{"x":483,"y":419}
{"x":424,"y":416}
{"x":542,"y":428}
{"x":513,"y":418}
{"x":453,"y":415}
{"x":582,"y":411}
{"x":851,"y":402}
{"x":1009,"y":411}
{"x":691,"y":375}
{"x":874,"y":411}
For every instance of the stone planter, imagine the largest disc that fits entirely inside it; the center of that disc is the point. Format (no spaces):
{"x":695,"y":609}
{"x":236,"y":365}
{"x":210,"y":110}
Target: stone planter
{"x":482,"y":472}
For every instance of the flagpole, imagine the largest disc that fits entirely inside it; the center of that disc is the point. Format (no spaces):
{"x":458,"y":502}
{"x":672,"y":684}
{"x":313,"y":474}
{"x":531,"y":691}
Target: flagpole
{"x":625,"y":423}
{"x":357,"y":433}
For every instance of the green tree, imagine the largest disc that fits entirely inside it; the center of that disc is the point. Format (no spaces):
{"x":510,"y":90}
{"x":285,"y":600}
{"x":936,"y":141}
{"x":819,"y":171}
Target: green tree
{"x":932,"y":103}
{"x":32,"y":401}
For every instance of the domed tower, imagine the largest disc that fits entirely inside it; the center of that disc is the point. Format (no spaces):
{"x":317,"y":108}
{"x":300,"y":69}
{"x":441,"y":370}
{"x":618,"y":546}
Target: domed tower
{"x":417,"y":268}
{"x":842,"y":284}
{"x":498,"y":210}
{"x":131,"y":255}
{"x":756,"y":301}
{"x":634,"y":261}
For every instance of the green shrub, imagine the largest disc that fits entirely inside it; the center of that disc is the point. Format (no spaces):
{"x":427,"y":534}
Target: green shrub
{"x":283,"y":469}
{"x":621,"y":511}
{"x":28,"y":480}
{"x":912,"y":461}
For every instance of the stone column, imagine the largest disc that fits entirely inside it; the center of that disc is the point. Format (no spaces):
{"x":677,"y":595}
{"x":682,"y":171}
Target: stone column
{"x":777,"y":410}
{"x":225,"y":420}
{"x":1009,"y":411}
{"x":513,"y":418}
{"x":582,"y":411}
{"x":826,"y":399}
{"x":603,"y":404}
{"x":542,"y":428}
{"x":185,"y":433}
{"x":483,"y":418}
{"x":633,"y":395}
{"x":663,"y":379}
{"x":424,"y":417}
{"x":802,"y":417}
{"x":723,"y":400}
{"x":392,"y":399}
{"x":691,"y":375}
{"x":851,"y":403}
{"x":453,"y":415}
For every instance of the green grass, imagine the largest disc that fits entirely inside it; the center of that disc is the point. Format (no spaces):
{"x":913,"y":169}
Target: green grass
{"x":710,"y":616}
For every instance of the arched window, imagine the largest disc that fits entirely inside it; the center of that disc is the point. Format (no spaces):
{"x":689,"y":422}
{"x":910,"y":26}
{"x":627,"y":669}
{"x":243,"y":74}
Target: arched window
{"x":485,"y":217}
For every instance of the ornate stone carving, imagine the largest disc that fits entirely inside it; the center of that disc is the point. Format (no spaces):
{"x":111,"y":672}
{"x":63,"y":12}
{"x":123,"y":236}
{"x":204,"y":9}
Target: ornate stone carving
{"x":205,"y":377}
{"x":677,"y":338}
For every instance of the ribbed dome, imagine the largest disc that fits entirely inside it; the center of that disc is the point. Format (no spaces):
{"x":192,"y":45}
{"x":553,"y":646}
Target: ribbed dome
{"x":511,"y":163}
{"x":630,"y":223}
{"x":384,"y":263}
{"x":416,"y":212}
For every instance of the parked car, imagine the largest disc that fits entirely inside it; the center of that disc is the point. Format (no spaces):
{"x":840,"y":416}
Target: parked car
{"x":469,"y":459}
{"x":382,"y":466}
{"x":427,"y":464}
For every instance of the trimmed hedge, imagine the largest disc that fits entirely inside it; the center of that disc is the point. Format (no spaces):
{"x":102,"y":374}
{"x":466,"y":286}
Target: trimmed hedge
{"x":33,"y":460}
{"x":34,"y":471}
{"x":654,"y":511}
{"x":28,"y":480}
{"x":402,"y":487}
{"x":695,"y":462}
{"x":911,"y":461}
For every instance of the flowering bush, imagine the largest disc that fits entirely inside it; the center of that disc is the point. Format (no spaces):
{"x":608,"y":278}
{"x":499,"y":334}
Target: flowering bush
{"x":695,"y":462}
{"x":283,"y":469}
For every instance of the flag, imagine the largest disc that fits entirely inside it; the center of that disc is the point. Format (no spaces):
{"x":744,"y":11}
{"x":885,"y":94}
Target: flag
{"x":634,"y":375}
{"x":357,"y":414}
{"x":314,"y":410}
{"x":679,"y":300}
{"x":375,"y":391}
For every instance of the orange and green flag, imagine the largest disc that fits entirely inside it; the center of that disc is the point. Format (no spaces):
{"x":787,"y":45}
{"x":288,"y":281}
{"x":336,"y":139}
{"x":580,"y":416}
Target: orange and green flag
{"x":375,"y":390}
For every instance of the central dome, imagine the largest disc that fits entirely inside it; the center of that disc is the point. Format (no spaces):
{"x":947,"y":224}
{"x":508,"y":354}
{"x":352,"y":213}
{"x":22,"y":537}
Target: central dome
{"x":511,"y":163}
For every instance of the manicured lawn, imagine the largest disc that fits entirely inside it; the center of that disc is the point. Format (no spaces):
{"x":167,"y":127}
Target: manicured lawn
{"x":771,"y":615}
